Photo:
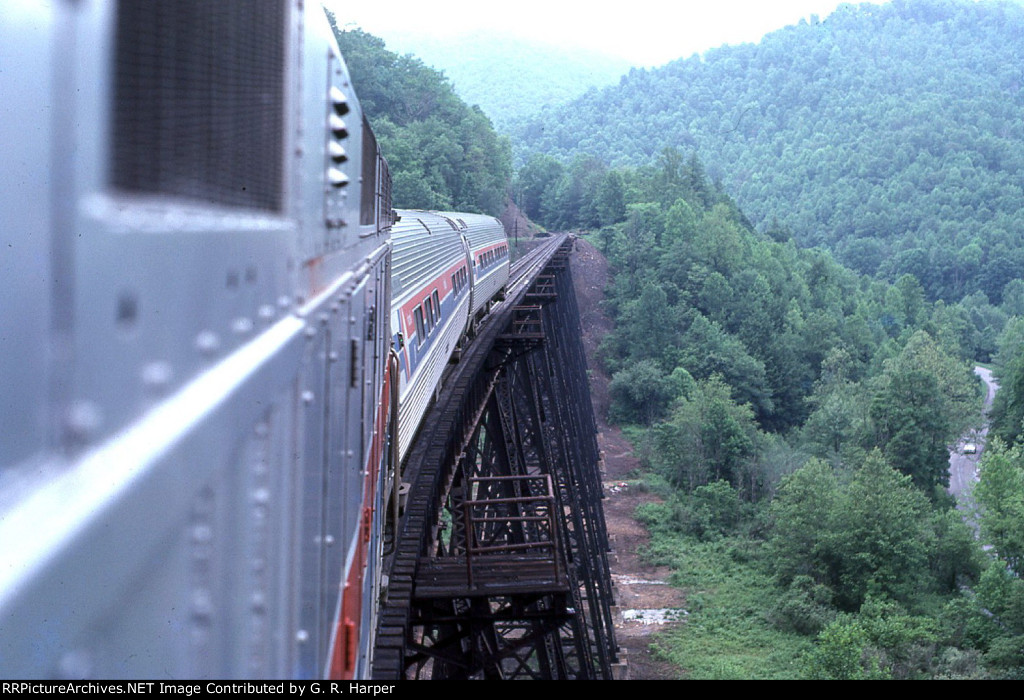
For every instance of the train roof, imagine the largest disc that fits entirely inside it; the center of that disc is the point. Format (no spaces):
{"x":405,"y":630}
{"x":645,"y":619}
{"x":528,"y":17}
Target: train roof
{"x":423,"y":243}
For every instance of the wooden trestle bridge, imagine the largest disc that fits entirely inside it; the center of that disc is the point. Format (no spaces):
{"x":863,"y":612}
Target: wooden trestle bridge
{"x":498,"y":567}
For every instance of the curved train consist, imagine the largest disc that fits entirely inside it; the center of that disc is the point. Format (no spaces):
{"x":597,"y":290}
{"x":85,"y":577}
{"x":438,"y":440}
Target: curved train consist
{"x":209,"y":313}
{"x":448,"y":268}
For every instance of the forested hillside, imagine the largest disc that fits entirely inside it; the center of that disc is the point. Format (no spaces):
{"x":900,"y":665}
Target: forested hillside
{"x":709,"y":310}
{"x":443,"y":154}
{"x":892,"y":134}
{"x":795,"y":418}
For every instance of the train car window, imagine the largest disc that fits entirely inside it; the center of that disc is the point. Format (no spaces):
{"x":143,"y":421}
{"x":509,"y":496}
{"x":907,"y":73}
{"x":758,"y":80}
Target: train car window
{"x":421,"y":330}
{"x":437,"y":307}
{"x":428,"y":314}
{"x":173,"y":135}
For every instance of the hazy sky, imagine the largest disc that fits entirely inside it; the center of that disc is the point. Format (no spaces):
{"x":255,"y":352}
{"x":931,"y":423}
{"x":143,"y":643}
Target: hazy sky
{"x":647,"y":32}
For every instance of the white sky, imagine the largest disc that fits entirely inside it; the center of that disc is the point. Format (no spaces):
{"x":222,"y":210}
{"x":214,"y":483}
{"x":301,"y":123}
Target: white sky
{"x":647,"y":32}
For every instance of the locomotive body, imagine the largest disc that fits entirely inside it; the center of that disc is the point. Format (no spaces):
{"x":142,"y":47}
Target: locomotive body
{"x":194,"y":339}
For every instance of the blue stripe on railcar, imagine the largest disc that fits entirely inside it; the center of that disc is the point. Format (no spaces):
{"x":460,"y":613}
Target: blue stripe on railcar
{"x":412,"y":351}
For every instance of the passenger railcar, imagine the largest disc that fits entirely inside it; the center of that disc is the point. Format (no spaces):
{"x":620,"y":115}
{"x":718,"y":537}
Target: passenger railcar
{"x":194,"y":343}
{"x":429,"y":308}
{"x":448,"y":268}
{"x":488,"y":255}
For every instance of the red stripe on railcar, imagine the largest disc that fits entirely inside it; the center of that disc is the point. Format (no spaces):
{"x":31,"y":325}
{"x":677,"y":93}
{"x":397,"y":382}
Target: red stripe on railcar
{"x":444,"y":286}
{"x":347,"y":631}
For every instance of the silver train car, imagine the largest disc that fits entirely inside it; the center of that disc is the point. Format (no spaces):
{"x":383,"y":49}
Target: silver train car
{"x":489,"y":259}
{"x":448,"y":268}
{"x":196,"y":382}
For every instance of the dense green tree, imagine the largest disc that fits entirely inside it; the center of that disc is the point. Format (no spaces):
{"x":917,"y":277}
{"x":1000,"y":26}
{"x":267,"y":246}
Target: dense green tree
{"x":1013,"y":298}
{"x":883,"y":641}
{"x":642,"y":392}
{"x":611,"y":199}
{"x":999,"y":625}
{"x":442,"y":153}
{"x":1008,"y":408}
{"x":909,"y":413}
{"x":534,"y":178}
{"x":880,"y":537}
{"x":872,"y":536}
{"x":924,"y":399}
{"x":1009,"y":343}
{"x":801,"y":543}
{"x":707,"y":438}
{"x":765,"y":315}
{"x":832,"y":423}
{"x":707,"y":350}
{"x":1000,"y":497}
{"x":956,"y":558}
{"x":840,"y":654}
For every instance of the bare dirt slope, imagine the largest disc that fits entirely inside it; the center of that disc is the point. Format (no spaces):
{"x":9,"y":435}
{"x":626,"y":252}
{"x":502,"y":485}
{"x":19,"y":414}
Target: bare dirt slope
{"x":639,"y":586}
{"x":516,"y":224}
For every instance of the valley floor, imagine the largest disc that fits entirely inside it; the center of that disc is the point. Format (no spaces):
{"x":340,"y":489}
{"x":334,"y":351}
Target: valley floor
{"x":639,"y":586}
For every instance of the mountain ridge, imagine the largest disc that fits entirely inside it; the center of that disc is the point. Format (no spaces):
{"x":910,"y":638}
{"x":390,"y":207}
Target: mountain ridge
{"x":892,"y":134}
{"x":510,"y":77}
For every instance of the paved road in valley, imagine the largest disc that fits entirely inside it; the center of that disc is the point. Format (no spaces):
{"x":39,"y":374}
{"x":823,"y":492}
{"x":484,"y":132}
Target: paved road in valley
{"x":963,"y":468}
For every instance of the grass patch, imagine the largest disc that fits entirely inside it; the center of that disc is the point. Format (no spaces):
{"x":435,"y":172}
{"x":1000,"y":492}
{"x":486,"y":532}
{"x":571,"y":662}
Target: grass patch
{"x":727,"y":634}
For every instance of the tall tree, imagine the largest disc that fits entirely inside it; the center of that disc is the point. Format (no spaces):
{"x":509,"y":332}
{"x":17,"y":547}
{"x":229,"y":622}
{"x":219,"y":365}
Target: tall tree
{"x":1000,"y":497}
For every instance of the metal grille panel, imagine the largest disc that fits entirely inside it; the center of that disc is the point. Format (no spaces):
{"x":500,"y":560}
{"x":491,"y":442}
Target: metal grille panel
{"x":199,"y":100}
